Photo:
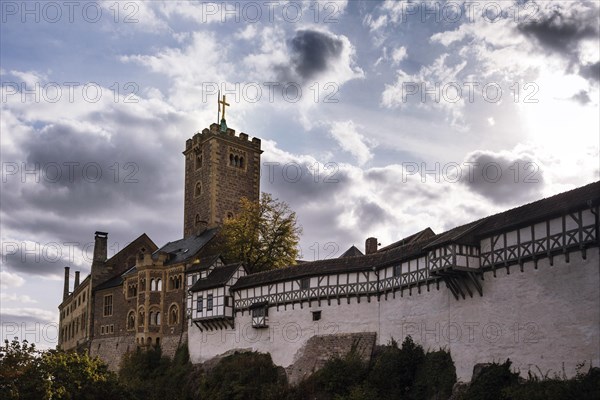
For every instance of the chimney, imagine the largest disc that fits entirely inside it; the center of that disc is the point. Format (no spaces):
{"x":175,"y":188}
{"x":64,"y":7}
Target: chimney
{"x":100,"y":246}
{"x":76,"y":280}
{"x":66,"y":287}
{"x":371,"y":245}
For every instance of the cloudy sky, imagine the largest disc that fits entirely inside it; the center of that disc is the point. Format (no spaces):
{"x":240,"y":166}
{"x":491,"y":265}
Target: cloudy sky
{"x":376,"y":118}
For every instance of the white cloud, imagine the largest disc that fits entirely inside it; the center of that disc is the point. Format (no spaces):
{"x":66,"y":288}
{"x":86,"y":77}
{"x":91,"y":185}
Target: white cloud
{"x":398,"y":54}
{"x":9,"y":280}
{"x":349,"y":139}
{"x":29,"y":312}
{"x":21,"y":298}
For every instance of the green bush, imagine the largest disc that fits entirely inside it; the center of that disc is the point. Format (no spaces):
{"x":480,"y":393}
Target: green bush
{"x":26,"y":373}
{"x":435,"y":377}
{"x":491,"y":382}
{"x":244,"y":376}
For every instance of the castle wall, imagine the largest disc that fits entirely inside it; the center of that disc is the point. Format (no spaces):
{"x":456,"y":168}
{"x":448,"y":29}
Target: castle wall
{"x":544,"y":318}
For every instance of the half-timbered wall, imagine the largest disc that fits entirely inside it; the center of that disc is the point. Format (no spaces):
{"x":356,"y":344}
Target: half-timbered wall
{"x":539,"y":304}
{"x":221,"y":303}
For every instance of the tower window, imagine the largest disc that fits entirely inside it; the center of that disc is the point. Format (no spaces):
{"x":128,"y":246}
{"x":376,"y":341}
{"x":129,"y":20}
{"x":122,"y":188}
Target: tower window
{"x":197,"y":220}
{"x":199,"y":161}
{"x":237,"y":160}
{"x":198,"y":189}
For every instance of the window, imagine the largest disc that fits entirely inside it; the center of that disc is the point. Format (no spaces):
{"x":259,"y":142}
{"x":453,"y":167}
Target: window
{"x":131,"y":320}
{"x":158,"y":285}
{"x":209,"y":302}
{"x":304,"y":283}
{"x":259,"y":315}
{"x":198,"y":189}
{"x":142,"y":285}
{"x":112,"y":328}
{"x":316,"y":315}
{"x":141,"y":316}
{"x":194,"y":278}
{"x":132,"y":290}
{"x":102,"y":330}
{"x":175,"y":282}
{"x":397,"y":270}
{"x":199,"y":161}
{"x":108,"y":305}
{"x":199,"y":301}
{"x":226,"y":301}
{"x":173,"y":315}
{"x":197,"y":220}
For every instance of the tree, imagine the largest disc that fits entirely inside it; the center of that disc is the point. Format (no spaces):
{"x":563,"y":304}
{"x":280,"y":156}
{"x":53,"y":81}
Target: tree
{"x":264,"y":235}
{"x":27,"y":373}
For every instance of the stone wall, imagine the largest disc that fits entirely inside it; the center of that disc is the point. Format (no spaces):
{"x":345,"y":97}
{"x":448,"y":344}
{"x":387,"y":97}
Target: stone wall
{"x":319,"y":349}
{"x":112,"y":349}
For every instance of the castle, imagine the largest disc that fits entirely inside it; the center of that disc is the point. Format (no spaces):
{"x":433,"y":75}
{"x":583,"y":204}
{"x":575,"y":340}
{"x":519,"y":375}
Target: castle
{"x":523,"y":284}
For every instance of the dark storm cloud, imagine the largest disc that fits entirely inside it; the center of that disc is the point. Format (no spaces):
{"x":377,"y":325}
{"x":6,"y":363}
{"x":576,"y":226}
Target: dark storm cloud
{"x":561,"y":32}
{"x":34,"y":259}
{"x":301,"y":181}
{"x":582,"y":97}
{"x":312,"y":53}
{"x":503,"y":179}
{"x":591,"y":71}
{"x":370,"y":213}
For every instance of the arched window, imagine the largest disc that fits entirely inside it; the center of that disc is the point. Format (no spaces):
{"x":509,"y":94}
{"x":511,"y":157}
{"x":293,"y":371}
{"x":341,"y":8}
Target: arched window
{"x":173,"y":314}
{"x":236,"y":161}
{"x":141,"y":316}
{"x":158,"y":285}
{"x":241,"y":162}
{"x":198,"y":189}
{"x":197,"y":221}
{"x":152,"y":284}
{"x":231,"y":159}
{"x":131,"y":320}
{"x":157,"y":318}
{"x":151,"y":318}
{"x":198,"y":161}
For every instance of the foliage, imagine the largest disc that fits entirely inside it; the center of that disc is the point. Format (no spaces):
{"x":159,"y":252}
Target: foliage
{"x":435,"y":377}
{"x":584,"y":386}
{"x":244,"y":376}
{"x":337,"y":379}
{"x":27,"y":373}
{"x":491,"y":382}
{"x":150,"y":375}
{"x":264,"y":235}
{"x":21,"y":374}
{"x":394,"y":369}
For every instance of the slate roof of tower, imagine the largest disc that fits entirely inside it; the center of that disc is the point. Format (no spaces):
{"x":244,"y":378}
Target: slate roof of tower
{"x":186,"y":248}
{"x":467,"y":233}
{"x":218,"y":277}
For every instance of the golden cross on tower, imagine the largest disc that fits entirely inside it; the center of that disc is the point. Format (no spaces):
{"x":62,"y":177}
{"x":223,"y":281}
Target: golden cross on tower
{"x":223,"y":103}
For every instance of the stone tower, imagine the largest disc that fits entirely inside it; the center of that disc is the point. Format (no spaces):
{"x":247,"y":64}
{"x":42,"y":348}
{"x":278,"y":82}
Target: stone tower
{"x":220,"y":169}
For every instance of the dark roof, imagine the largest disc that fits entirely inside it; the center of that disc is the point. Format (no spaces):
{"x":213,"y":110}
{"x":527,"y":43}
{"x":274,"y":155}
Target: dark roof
{"x":415,"y":237}
{"x":572,"y":200}
{"x":186,"y":248}
{"x":423,"y":241}
{"x":352,"y":252}
{"x":112,"y":282}
{"x":218,"y":277}
{"x":205,"y":263}
{"x":335,"y":265}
